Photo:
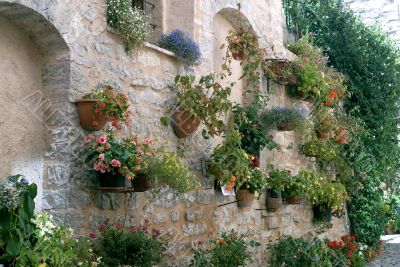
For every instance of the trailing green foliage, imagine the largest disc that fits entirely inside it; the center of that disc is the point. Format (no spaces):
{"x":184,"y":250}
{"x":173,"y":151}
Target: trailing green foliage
{"x":370,"y":61}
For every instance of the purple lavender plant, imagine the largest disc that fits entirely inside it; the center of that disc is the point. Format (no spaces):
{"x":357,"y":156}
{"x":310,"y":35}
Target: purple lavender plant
{"x":182,"y":45}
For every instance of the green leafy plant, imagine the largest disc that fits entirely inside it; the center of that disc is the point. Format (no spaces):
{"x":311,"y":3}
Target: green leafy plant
{"x":112,"y":104}
{"x":277,"y":179}
{"x":130,"y":23}
{"x":167,"y":168}
{"x":229,"y":163}
{"x":242,"y":45}
{"x":248,"y":121}
{"x":16,"y":211}
{"x":325,"y":122}
{"x":55,"y":245}
{"x":283,"y":118}
{"x":136,"y":246}
{"x":228,"y":250}
{"x":295,"y":186}
{"x":322,"y":150}
{"x":207,"y":100}
{"x":255,"y":183}
{"x":298,"y":252}
{"x":322,"y":191}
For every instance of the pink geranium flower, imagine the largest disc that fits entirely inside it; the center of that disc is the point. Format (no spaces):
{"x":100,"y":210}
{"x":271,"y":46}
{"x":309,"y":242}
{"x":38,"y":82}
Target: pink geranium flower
{"x":115,"y":163}
{"x":102,"y":139}
{"x":102,"y":156}
{"x":88,"y":138}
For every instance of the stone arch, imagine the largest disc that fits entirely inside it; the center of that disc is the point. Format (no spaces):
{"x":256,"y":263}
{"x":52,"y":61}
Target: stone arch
{"x":225,"y":20}
{"x":39,"y":46}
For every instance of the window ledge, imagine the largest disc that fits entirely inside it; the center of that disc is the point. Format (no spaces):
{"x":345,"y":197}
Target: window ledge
{"x":159,"y":49}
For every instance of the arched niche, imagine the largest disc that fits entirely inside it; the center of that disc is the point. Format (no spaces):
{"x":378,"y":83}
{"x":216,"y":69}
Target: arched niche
{"x":224,"y":21}
{"x":35,"y":79}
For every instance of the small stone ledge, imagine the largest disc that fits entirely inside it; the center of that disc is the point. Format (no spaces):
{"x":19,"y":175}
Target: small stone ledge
{"x":159,"y":49}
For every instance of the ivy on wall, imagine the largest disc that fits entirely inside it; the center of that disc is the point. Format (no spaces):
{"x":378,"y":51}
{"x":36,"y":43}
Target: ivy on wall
{"x":370,"y":61}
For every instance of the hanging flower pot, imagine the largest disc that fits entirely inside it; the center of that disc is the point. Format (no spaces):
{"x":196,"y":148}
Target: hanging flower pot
{"x":141,"y":183}
{"x":238,"y":54}
{"x":245,"y":198}
{"x":323,"y":135}
{"x":274,"y":200}
{"x":342,"y":137}
{"x":294,"y":200}
{"x":90,"y":119}
{"x":285,"y":126}
{"x":111,"y":180}
{"x":322,"y":213}
{"x":184,"y":123}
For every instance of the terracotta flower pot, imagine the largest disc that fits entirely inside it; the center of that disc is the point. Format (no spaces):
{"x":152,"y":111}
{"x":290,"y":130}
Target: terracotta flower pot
{"x":111,"y":180}
{"x":238,"y":54}
{"x":255,"y":162}
{"x":274,"y":200}
{"x":286,"y":126}
{"x":184,"y":124}
{"x":141,"y":183}
{"x":342,"y":137}
{"x":89,"y":119}
{"x":294,"y":200}
{"x":323,"y":135}
{"x":245,"y":198}
{"x":322,"y":213}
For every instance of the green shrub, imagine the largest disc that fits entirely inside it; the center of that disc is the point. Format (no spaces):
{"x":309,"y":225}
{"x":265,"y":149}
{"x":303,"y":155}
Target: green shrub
{"x":137,"y":246}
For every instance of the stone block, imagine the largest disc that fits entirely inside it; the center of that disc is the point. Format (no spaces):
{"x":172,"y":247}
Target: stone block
{"x":78,"y":199}
{"x":190,"y":229}
{"x":58,"y":174}
{"x":55,"y":199}
{"x":107,"y":201}
{"x":159,"y":219}
{"x":194,"y":215}
{"x":273,"y":223}
{"x":175,"y":216}
{"x":205,"y":196}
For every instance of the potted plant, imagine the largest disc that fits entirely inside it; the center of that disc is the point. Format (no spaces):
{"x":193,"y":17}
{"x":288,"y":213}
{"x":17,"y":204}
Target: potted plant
{"x":325,"y":195}
{"x":134,"y":246}
{"x":204,"y":102}
{"x":295,"y":188}
{"x":286,"y":119}
{"x":248,"y":121}
{"x":280,"y":70}
{"x":114,"y":159}
{"x":129,"y":23}
{"x":230,"y":249}
{"x":229,"y":163}
{"x":103,"y":104}
{"x":325,"y":123}
{"x":239,"y":42}
{"x":276,"y":185}
{"x":246,"y":188}
{"x":182,"y":45}
{"x":323,"y":151}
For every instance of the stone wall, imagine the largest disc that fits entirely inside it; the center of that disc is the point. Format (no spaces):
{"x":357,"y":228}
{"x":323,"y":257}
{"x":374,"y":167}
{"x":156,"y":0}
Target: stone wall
{"x":86,"y":54}
{"x":383,"y":12}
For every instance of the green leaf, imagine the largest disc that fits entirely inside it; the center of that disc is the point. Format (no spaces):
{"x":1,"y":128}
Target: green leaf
{"x":13,"y":246}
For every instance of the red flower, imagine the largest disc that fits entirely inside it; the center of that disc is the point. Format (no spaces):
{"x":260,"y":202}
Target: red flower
{"x":221,"y":243}
{"x":92,"y":235}
{"x":101,"y":104}
{"x":118,"y":225}
{"x":199,"y":243}
{"x":328,"y":102}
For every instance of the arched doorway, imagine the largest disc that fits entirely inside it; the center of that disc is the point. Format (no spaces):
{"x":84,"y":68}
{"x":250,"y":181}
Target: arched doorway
{"x":35,"y":75}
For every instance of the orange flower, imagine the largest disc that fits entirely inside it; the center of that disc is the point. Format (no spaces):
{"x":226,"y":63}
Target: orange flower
{"x":333,"y":94}
{"x":232,"y":179}
{"x":328,"y":102}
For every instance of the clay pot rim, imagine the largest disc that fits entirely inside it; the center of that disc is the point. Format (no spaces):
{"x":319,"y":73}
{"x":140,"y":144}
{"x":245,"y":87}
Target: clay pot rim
{"x":85,"y":100}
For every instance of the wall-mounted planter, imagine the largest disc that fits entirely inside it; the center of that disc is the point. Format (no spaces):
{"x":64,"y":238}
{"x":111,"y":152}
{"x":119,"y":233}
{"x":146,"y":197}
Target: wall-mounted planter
{"x":294,"y":200}
{"x":111,"y":180}
{"x":274,"y":200}
{"x":322,"y":213}
{"x":89,"y":119}
{"x":184,"y":124}
{"x":141,"y":183}
{"x":323,"y":135}
{"x":245,"y":198}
